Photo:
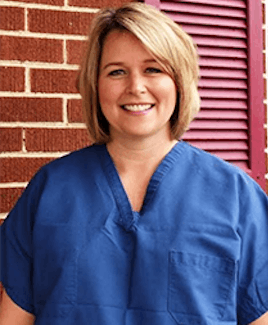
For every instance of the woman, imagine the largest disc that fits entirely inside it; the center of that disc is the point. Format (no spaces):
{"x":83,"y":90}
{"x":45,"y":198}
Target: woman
{"x":139,"y":228}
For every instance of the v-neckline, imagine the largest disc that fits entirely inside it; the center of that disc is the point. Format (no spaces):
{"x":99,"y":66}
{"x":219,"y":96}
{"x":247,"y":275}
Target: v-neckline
{"x":128,"y":216}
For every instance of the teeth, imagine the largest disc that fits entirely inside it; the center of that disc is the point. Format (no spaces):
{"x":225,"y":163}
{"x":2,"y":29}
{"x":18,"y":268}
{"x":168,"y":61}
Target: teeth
{"x":137,"y":108}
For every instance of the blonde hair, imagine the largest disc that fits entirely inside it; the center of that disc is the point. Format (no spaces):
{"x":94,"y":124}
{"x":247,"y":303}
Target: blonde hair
{"x":164,"y":39}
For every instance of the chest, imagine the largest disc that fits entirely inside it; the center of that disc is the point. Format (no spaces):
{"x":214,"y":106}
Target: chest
{"x":142,"y":268}
{"x":135,"y":185}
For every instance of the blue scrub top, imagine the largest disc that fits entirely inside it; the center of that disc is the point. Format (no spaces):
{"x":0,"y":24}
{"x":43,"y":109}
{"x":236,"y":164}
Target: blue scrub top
{"x":74,"y":252}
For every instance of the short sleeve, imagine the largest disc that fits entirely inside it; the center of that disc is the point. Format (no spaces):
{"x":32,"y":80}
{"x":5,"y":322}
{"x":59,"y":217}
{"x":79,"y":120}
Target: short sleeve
{"x":16,"y":246}
{"x":252,"y":298}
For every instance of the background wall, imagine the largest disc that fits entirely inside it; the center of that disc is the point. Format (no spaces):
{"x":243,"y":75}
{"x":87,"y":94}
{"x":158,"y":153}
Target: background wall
{"x":265,"y":60}
{"x":40,"y":111}
{"x":40,"y":116}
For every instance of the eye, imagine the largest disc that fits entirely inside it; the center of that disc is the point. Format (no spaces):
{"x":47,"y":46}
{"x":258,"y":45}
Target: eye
{"x":153,"y":70}
{"x":117,"y":72}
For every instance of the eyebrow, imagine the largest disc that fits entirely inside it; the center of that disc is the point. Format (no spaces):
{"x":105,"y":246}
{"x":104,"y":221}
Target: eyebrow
{"x":122,"y":63}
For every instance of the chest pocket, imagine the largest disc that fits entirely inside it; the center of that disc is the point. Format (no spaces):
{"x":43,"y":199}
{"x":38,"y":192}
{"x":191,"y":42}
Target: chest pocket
{"x":200,"y":287}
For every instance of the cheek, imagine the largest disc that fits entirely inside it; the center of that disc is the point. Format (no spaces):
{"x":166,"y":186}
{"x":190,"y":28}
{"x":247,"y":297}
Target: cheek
{"x":107,"y":99}
{"x":168,"y":90}
{"x":102,"y":92}
{"x":109,"y":91}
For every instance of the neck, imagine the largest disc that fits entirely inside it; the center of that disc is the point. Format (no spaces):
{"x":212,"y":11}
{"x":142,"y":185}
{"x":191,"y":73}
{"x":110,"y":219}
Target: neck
{"x":136,"y":161}
{"x":128,"y":153}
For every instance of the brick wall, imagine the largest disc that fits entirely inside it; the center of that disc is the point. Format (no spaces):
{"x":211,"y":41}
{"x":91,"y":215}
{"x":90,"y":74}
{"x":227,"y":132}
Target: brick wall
{"x":40,"y":115}
{"x":40,"y":111}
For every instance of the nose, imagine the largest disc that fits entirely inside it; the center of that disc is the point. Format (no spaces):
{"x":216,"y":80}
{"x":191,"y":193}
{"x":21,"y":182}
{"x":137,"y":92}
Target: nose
{"x":136,"y":84}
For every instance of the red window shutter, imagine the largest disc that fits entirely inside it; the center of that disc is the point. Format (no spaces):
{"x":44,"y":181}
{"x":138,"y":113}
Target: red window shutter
{"x":228,"y":34}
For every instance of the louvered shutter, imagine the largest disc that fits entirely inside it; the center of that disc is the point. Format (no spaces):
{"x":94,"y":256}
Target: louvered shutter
{"x":228,"y":34}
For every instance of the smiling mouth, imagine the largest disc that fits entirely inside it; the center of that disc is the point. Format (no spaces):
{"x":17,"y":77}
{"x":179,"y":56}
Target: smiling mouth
{"x":137,"y":108}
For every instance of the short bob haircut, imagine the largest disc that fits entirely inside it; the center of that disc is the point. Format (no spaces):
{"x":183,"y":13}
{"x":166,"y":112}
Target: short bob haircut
{"x":164,"y":39}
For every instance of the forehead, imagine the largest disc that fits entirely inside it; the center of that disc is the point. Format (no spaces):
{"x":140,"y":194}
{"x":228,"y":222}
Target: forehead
{"x":123,"y":44}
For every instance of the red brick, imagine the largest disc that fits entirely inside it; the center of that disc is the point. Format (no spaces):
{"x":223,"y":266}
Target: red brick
{"x":15,"y":109}
{"x":98,"y":3}
{"x":1,"y":222}
{"x":74,"y":109}
{"x":8,"y":198}
{"x":11,"y":79}
{"x":53,"y":81}
{"x":31,"y":49}
{"x":11,"y":18}
{"x":10,"y":139}
{"x":59,"y":22}
{"x":56,"y":139}
{"x":48,"y":2}
{"x":75,"y":51}
{"x":20,"y":169}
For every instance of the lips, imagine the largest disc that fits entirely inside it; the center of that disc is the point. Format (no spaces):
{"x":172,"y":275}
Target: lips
{"x":137,"y":107}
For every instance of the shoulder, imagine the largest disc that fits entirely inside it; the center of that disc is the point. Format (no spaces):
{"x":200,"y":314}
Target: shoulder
{"x":87,"y":156}
{"x":205,"y":160}
{"x":71,"y":165}
{"x":214,"y":169}
{"x":57,"y":183}
{"x":65,"y":172}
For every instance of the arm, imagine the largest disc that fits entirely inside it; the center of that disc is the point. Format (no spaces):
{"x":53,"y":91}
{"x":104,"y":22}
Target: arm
{"x":12,"y":314}
{"x":263,"y":320}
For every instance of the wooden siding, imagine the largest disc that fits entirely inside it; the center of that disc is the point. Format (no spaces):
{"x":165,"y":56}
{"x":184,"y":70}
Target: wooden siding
{"x":230,"y":123}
